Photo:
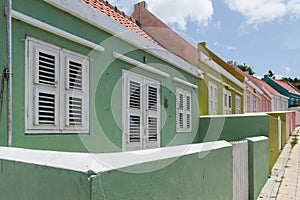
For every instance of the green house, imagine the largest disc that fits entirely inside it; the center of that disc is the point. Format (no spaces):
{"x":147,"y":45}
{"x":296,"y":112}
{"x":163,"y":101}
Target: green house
{"x":82,"y":81}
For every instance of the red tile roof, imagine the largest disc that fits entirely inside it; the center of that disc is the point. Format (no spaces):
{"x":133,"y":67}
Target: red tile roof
{"x":119,"y":16}
{"x":267,"y":86}
{"x":287,"y":86}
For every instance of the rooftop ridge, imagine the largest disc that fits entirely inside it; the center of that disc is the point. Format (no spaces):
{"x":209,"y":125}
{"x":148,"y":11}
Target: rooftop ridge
{"x":115,"y":8}
{"x":119,"y":16}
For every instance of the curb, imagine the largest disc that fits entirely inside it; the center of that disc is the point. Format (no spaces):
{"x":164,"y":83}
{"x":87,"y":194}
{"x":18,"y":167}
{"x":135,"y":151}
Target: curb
{"x":270,"y":190}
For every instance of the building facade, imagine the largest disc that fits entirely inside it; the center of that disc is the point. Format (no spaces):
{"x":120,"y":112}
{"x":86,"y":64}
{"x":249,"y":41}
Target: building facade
{"x":285,"y":89}
{"x":90,"y":83}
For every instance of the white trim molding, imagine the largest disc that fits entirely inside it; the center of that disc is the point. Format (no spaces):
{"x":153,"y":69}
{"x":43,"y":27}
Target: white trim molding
{"x":42,"y":25}
{"x":254,"y":86}
{"x":205,"y":59}
{"x":139,"y":64}
{"x":178,"y":80}
{"x":223,"y":83}
{"x":94,"y":17}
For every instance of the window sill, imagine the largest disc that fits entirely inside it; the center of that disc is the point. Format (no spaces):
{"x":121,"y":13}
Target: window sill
{"x":56,"y":132}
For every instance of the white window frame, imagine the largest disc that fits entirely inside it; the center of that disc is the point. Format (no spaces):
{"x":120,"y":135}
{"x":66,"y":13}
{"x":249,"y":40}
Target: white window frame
{"x":227,"y":102}
{"x":237,"y":105}
{"x":143,"y":111}
{"x":248,"y":102}
{"x":185,"y":110}
{"x":254,"y":102}
{"x":60,"y":90}
{"x":275,"y":105}
{"x":212,"y":98}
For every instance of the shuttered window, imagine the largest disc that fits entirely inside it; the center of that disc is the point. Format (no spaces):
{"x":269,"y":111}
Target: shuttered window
{"x":238,"y":105}
{"x":56,"y":89}
{"x":227,"y":102}
{"x":46,"y":108}
{"x":46,"y":68}
{"x":183,"y":110}
{"x":141,"y":112}
{"x":213,"y":98}
{"x":134,"y":129}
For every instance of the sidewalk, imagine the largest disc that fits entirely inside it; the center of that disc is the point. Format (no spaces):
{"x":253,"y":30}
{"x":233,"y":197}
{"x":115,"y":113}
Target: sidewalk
{"x":284,"y":183}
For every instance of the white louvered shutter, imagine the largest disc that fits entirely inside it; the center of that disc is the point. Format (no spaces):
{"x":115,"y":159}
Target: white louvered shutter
{"x":213,"y":99}
{"x":183,"y":110}
{"x":188,"y":111}
{"x":132,"y":133}
{"x":227,"y":102}
{"x":152,"y":114}
{"x":56,"y":89}
{"x":141,"y":112}
{"x":179,"y":109}
{"x":45,"y":87}
{"x":210,"y":99}
{"x":75,"y":92}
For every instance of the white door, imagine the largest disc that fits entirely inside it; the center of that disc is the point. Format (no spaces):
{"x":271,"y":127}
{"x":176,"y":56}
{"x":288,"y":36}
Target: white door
{"x":213,"y":98}
{"x":141,"y":112}
{"x":227,"y":102}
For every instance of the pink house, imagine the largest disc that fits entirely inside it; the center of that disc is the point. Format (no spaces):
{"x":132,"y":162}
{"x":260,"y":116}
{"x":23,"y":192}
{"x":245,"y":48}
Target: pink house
{"x":266,"y":100}
{"x":255,"y":99}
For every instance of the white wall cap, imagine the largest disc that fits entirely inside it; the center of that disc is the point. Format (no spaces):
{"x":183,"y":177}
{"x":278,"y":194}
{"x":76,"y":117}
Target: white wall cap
{"x":84,"y":162}
{"x":257,"y":139}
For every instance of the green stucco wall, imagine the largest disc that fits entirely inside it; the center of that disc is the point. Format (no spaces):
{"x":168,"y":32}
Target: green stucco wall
{"x":33,"y":182}
{"x":258,"y":154}
{"x":105,"y":82}
{"x":232,"y":128}
{"x":3,"y":64}
{"x":184,"y":175}
{"x":189,"y":177}
{"x":235,"y":128}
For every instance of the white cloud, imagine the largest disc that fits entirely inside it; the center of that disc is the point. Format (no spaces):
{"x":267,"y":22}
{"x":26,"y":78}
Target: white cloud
{"x":265,"y":11}
{"x":287,"y":69}
{"x":229,"y":47}
{"x":218,"y":25}
{"x":293,"y":6}
{"x":258,"y":11}
{"x":216,"y":43}
{"x":180,"y":12}
{"x":278,"y":76}
{"x":174,"y":12}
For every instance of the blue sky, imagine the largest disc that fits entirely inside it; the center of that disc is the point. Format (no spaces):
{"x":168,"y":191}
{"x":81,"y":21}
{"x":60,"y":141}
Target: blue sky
{"x":264,"y":34}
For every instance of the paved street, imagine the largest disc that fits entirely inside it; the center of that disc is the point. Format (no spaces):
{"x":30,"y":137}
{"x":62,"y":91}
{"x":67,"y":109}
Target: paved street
{"x":284,"y":183}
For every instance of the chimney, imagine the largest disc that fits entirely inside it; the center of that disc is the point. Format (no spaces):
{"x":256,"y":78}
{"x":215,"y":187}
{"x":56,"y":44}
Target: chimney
{"x":141,"y":4}
{"x":203,"y":44}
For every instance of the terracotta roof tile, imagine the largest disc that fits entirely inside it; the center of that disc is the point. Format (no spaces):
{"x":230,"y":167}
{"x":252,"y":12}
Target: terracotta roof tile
{"x":267,"y":86}
{"x":113,"y":12}
{"x":287,"y":86}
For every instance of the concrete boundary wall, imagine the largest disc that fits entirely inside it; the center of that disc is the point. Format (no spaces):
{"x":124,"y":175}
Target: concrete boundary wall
{"x":240,"y":127}
{"x":198,"y":171}
{"x":258,"y":154}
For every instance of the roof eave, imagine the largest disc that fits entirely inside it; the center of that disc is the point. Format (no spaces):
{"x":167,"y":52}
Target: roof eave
{"x":86,"y":13}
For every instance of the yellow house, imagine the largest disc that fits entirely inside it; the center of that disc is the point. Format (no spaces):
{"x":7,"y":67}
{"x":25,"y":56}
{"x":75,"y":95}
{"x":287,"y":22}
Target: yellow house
{"x":222,"y":87}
